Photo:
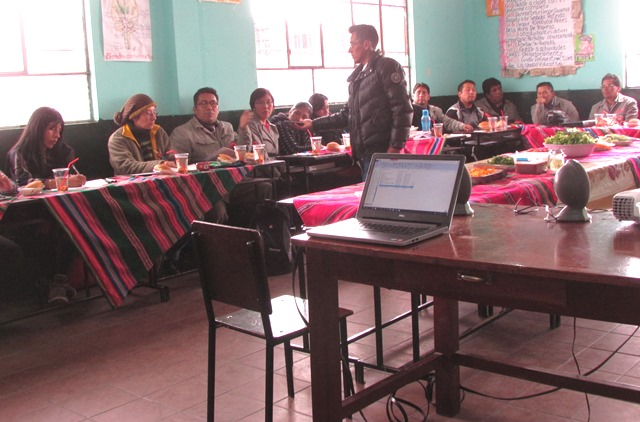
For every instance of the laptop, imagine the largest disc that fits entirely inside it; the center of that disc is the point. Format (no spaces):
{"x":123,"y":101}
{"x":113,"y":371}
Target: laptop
{"x":406,"y":198}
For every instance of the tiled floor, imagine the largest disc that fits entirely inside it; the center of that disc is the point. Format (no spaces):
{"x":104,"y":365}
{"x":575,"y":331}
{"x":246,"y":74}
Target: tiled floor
{"x":147,"y":362}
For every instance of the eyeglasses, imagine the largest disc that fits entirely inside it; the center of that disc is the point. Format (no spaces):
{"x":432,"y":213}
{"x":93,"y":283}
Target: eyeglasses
{"x":150,"y":113}
{"x":212,"y":104}
{"x":608,"y":86}
{"x":264,"y":103}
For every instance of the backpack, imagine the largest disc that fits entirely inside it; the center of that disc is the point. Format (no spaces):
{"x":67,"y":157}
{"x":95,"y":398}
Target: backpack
{"x":273,"y":224}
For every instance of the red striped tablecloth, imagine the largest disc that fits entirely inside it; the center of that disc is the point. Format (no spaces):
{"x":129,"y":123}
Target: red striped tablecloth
{"x":123,"y":228}
{"x":536,"y":134}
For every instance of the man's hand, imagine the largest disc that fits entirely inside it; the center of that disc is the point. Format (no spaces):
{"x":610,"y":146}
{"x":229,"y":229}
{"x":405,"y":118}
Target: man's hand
{"x":467,"y":128}
{"x":77,"y":180}
{"x":305,"y":124}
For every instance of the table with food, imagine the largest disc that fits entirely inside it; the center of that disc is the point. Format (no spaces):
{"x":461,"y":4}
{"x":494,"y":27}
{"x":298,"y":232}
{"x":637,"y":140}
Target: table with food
{"x":122,"y":225}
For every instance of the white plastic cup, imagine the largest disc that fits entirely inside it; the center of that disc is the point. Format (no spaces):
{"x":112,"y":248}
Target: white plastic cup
{"x":492,"y":123}
{"x":504,"y":122}
{"x":346,"y":140}
{"x":241,"y":152}
{"x":316,"y":144}
{"x":182,"y":161}
{"x":61,"y":177}
{"x":438,"y":130}
{"x":258,"y":151}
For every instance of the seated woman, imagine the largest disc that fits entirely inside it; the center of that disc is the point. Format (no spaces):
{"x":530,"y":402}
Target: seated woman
{"x":320,"y":104}
{"x":291,"y":139}
{"x":254,"y":127}
{"x":39,"y":151}
{"x":139,"y":144}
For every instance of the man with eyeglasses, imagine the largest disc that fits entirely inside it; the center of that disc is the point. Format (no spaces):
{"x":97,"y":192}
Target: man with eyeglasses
{"x":204,"y":137}
{"x":378,"y":111}
{"x":626,"y":108}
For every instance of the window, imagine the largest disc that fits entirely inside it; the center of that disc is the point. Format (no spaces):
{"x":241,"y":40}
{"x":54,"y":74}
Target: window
{"x":302,"y":45}
{"x":44,"y":60}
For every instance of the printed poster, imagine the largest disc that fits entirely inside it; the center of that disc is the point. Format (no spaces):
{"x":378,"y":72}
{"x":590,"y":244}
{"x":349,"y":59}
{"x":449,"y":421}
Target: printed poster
{"x":126,"y":30}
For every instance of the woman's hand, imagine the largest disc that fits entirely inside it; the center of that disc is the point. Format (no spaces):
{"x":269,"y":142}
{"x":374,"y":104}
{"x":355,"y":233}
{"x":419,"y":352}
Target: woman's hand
{"x":246,"y":116}
{"x":77,"y":180}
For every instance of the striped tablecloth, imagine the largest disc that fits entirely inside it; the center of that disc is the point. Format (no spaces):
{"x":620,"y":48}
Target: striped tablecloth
{"x":609,"y":172}
{"x":123,"y":228}
{"x":536,"y":134}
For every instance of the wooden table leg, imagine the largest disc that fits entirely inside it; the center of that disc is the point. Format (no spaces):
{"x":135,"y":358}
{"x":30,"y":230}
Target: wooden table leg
{"x":324,"y":339}
{"x":446,"y":333}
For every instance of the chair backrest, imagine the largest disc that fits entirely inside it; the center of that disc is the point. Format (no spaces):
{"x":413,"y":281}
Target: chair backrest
{"x":232,"y":266}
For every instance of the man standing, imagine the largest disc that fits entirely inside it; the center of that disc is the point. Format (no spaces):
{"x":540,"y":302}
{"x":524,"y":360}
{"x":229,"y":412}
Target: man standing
{"x":614,"y":102}
{"x":494,"y":103}
{"x":204,"y":137}
{"x":378,"y":111}
{"x":547,"y":101}
{"x":465,"y":110}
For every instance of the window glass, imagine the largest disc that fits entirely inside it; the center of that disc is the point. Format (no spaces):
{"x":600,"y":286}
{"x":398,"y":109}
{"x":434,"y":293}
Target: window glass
{"x":44,"y":60}
{"x":302,"y":46}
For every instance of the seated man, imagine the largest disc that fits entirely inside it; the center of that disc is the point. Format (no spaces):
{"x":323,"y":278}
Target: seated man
{"x":292,"y":140}
{"x":421,"y":97}
{"x":465,"y":110}
{"x":204,"y":137}
{"x":547,"y":101}
{"x":494,"y":103}
{"x":614,"y":102}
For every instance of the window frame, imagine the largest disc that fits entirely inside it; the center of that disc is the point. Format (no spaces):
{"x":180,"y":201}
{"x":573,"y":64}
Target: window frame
{"x":39,"y":84}
{"x":322,"y":72}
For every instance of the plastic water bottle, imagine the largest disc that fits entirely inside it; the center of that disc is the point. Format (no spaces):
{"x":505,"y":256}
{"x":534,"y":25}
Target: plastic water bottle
{"x":426,"y":121}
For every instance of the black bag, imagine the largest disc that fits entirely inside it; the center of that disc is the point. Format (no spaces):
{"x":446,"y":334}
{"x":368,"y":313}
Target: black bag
{"x":273,"y":224}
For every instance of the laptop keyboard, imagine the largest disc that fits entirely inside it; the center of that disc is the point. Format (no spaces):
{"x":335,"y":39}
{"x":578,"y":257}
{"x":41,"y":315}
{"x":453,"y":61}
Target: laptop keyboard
{"x":387,"y":228}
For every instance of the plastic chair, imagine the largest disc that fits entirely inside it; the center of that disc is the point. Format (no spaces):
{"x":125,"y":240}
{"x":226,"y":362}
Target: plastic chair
{"x":233,"y":271}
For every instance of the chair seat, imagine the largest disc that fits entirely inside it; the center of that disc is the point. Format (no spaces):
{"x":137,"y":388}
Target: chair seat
{"x":286,"y":322}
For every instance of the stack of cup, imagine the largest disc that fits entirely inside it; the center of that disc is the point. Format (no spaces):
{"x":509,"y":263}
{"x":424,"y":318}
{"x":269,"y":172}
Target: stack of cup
{"x":438,"y":130}
{"x":316,"y":144}
{"x":346,"y":140}
{"x":182,"y":161}
{"x":259,"y":153}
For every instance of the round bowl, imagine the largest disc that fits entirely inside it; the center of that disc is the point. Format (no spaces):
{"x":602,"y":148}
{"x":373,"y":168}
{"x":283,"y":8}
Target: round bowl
{"x":573,"y":150}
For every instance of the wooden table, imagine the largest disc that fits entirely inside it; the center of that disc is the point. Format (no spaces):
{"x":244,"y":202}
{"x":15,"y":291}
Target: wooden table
{"x":496,"y":257}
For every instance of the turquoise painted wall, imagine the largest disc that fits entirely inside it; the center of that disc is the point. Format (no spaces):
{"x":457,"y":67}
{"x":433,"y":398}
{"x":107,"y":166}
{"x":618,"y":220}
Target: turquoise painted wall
{"x":199,"y":44}
{"x":455,"y":40}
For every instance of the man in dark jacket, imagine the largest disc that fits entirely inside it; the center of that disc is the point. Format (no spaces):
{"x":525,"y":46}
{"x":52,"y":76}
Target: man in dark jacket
{"x":378,"y":112}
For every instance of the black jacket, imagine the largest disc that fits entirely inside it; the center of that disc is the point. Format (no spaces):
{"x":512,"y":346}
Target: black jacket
{"x":379,"y":110}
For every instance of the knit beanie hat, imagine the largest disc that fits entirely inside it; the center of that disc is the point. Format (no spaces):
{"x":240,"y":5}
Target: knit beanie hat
{"x":133,"y":107}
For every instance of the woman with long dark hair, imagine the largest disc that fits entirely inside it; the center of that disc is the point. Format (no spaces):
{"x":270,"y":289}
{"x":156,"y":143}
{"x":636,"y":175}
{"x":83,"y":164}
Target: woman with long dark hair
{"x":39,"y":150}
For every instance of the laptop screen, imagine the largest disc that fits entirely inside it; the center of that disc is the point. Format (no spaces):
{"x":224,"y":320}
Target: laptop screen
{"x":419,"y":188}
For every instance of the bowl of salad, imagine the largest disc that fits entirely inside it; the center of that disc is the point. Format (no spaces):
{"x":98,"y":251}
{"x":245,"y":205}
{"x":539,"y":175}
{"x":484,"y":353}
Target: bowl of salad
{"x":574,"y":144}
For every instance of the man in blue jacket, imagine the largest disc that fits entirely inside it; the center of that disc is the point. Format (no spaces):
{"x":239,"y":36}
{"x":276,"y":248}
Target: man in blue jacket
{"x":378,"y":112}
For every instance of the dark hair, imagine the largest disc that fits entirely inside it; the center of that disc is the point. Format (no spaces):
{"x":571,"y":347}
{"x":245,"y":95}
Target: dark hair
{"x":466,"y":81}
{"x":614,"y":78}
{"x":205,"y":90}
{"x":365,"y":33}
{"x":541,"y":84}
{"x":30,"y":144}
{"x":423,"y":85}
{"x":317,"y":102}
{"x":257,"y":94}
{"x":302,"y":104}
{"x":487,"y":84}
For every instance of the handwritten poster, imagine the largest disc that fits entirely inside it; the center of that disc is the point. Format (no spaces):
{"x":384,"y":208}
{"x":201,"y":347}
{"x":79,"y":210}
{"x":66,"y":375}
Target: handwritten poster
{"x":126,"y":29}
{"x":538,"y":37}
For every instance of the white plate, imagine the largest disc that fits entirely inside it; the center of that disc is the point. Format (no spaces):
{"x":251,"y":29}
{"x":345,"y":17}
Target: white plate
{"x":29,"y":191}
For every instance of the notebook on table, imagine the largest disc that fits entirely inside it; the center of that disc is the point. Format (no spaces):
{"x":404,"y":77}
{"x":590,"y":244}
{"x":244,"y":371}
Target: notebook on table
{"x":406,"y":198}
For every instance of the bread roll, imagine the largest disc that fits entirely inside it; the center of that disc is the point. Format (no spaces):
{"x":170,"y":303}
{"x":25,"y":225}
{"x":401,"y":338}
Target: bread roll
{"x":484,"y":126}
{"x":333,"y":146}
{"x":633,"y":122}
{"x":225,"y":158}
{"x":36,"y":184}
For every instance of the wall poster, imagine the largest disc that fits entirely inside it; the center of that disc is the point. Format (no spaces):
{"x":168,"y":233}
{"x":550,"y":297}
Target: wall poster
{"x":126,"y":30}
{"x":538,"y":37}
